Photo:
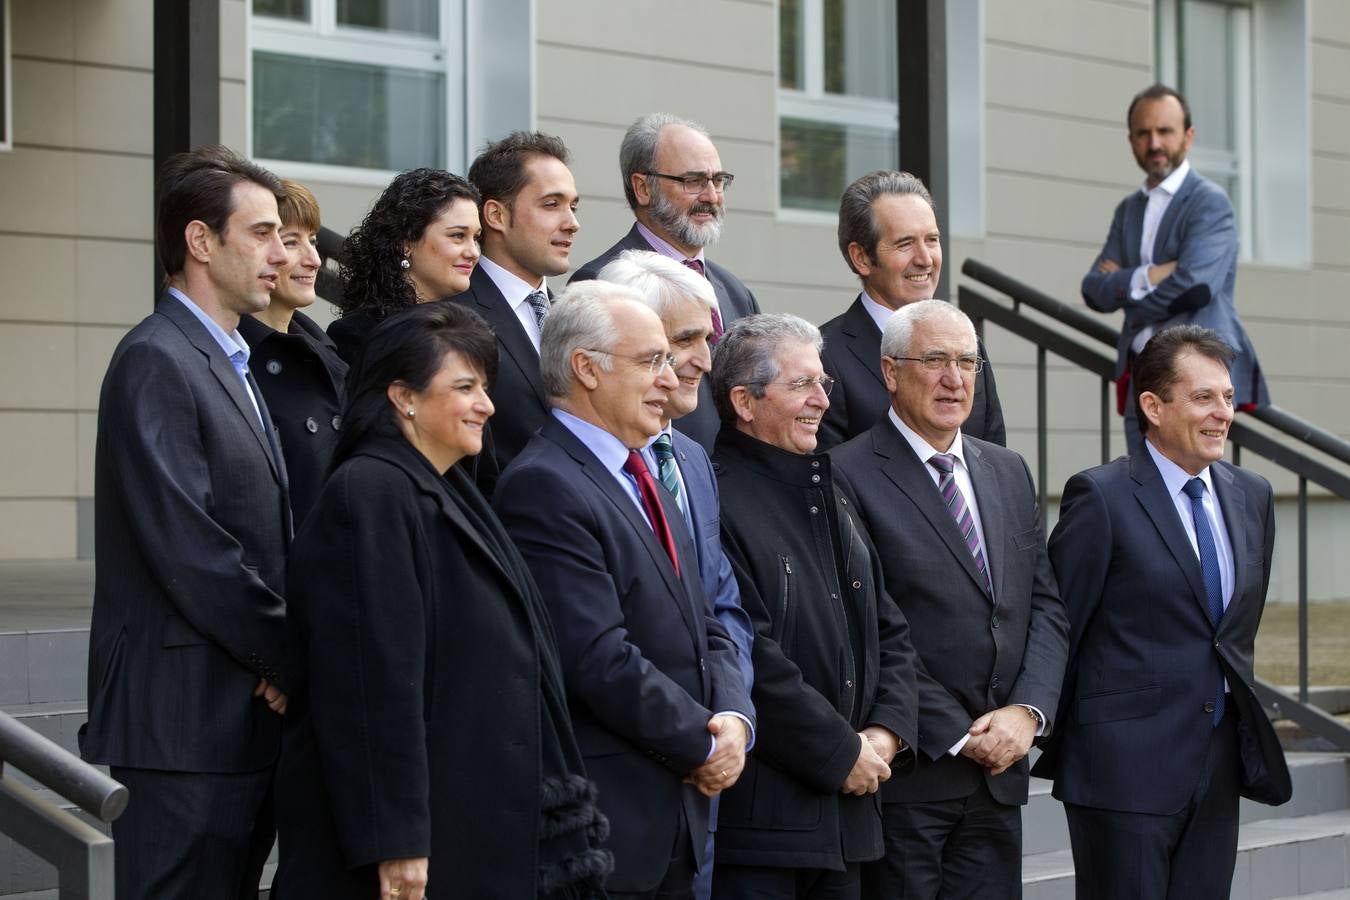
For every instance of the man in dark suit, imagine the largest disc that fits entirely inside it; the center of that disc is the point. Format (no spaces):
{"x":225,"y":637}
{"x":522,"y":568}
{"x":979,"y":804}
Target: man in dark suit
{"x":1163,"y":559}
{"x":956,"y":523}
{"x":684,"y":301}
{"x":889,"y":237}
{"x":1170,"y":257}
{"x":660,"y":709}
{"x":675,"y":185}
{"x":528,"y":210}
{"x":187,"y":643}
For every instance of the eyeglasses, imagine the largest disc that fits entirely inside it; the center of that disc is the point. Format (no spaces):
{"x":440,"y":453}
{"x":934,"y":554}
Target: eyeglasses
{"x":654,"y":363}
{"x":970,"y":364}
{"x":804,"y":384}
{"x":697,"y":184}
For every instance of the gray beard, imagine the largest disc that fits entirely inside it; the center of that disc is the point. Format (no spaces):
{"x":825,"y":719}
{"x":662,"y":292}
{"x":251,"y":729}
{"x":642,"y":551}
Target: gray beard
{"x":684,"y":231}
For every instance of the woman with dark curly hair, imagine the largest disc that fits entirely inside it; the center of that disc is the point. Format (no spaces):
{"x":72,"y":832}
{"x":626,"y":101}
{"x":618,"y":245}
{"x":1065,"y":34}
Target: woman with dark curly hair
{"x":419,"y":242}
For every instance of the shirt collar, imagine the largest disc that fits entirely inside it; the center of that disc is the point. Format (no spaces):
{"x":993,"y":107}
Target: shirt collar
{"x":607,"y":448}
{"x":1172,"y":183}
{"x":663,"y":247}
{"x":1173,"y":475}
{"x":924,"y":450}
{"x":232,"y":342}
{"x":513,"y":289}
{"x":880,"y":313}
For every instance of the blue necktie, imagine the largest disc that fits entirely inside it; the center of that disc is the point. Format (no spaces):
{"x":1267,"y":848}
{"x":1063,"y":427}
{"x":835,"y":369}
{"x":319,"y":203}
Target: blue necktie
{"x":1209,"y":570}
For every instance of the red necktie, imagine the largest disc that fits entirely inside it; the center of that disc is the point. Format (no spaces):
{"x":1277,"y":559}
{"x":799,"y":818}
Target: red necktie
{"x":717,"y":329}
{"x":651,"y":502}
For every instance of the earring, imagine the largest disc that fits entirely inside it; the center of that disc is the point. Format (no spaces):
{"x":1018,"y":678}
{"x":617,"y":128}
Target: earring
{"x":404,"y":264}
{"x":411,"y":412}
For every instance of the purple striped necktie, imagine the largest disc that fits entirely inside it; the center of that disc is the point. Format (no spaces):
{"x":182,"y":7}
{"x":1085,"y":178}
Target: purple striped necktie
{"x":945,"y":463}
{"x":717,"y":329}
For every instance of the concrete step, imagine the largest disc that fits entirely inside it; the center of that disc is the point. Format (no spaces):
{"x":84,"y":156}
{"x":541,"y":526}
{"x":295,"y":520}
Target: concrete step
{"x":43,"y":665}
{"x":1290,"y":857}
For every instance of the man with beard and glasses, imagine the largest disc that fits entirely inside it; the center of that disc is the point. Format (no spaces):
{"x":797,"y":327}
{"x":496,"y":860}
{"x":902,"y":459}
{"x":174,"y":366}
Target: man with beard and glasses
{"x":1171,"y":254}
{"x":675,"y":185}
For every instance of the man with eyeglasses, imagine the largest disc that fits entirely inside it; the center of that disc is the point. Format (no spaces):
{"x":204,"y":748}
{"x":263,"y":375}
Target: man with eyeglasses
{"x":956,"y":522}
{"x":661,"y":713}
{"x":888,"y":235}
{"x":675,"y":185}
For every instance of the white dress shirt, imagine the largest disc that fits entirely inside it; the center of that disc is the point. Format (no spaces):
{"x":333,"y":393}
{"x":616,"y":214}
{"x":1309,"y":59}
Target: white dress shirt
{"x":516,"y":291}
{"x":1159,"y":198}
{"x":880,"y":313}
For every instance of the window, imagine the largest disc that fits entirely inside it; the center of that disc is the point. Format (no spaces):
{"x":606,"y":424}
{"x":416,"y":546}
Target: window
{"x":1249,"y":105}
{"x":6,"y":122}
{"x":358,"y":84}
{"x":838,"y":115}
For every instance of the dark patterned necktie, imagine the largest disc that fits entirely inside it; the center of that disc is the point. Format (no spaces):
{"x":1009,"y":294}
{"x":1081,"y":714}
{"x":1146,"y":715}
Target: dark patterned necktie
{"x":651,"y":502}
{"x":1209,"y":570}
{"x":717,"y":329}
{"x":538,"y":301}
{"x":945,"y":463}
{"x":665,"y":467}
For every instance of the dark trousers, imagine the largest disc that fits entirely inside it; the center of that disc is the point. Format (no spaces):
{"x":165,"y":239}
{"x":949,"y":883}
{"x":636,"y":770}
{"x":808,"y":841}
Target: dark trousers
{"x":678,"y":882}
{"x":765,"y":883}
{"x":1189,"y":855}
{"x":965,"y":848}
{"x":193,"y":835}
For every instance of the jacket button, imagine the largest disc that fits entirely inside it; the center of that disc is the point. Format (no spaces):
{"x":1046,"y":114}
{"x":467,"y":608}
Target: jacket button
{"x":274,"y":367}
{"x":857,"y":584}
{"x":337,"y":422}
{"x":1209,"y":706}
{"x":815,"y":510}
{"x":310,"y":425}
{"x":993,"y":682}
{"x":848,"y":682}
{"x":815,"y":464}
{"x":815,"y":479}
{"x":994,"y":621}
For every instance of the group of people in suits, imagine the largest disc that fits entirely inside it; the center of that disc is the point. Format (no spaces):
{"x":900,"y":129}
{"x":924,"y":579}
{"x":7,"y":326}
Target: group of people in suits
{"x":633,"y":590}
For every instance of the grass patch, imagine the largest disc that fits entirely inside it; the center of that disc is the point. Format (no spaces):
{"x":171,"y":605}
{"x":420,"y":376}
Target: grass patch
{"x":1328,"y":643}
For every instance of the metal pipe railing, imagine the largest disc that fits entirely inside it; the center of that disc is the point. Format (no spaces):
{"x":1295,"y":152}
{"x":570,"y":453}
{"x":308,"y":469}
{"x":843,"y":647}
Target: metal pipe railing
{"x":57,"y":768}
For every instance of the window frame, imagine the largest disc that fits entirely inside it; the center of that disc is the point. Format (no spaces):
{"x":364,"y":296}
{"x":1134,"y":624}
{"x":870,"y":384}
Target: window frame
{"x":6,"y":81}
{"x":323,"y":38}
{"x":812,"y":103}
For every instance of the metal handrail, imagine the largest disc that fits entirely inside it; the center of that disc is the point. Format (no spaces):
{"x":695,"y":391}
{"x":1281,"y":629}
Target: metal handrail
{"x":55,"y":767}
{"x":1292,"y":455}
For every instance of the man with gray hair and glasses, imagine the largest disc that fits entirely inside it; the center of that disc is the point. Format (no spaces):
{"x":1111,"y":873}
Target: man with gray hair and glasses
{"x":660,"y":710}
{"x":834,"y":667}
{"x":958,"y":528}
{"x":675,"y":184}
{"x":888,"y":235}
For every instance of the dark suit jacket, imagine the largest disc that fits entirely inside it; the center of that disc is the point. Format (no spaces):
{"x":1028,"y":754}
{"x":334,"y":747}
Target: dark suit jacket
{"x":719,"y":584}
{"x":405,"y":602}
{"x":734,"y":301}
{"x":518,"y":393}
{"x":1144,"y":658}
{"x":645,"y":663}
{"x":975,"y":655}
{"x":303,"y":379}
{"x":192,"y":524}
{"x":852,"y":357}
{"x":1199,"y":232}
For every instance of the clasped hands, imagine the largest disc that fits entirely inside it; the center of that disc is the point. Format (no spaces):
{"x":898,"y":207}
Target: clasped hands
{"x":999,"y":738}
{"x":878,"y":747}
{"x":727,"y":761}
{"x":276,"y":700}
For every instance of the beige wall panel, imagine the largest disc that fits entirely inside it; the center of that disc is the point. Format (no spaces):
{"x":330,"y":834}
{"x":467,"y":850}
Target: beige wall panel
{"x":37,"y":192}
{"x":1331,"y":70}
{"x":37,"y":278}
{"x":1056,"y":147}
{"x":571,"y":80}
{"x":1051,"y":267}
{"x":37,"y":367}
{"x":114,"y":110}
{"x":44,"y":102}
{"x":763,"y":249}
{"x":233,"y":110}
{"x":1026,"y":79}
{"x":1320,"y":401}
{"x":1329,"y":20}
{"x":43,"y":28}
{"x":37,"y":454}
{"x":1093,"y":29}
{"x":38,"y":529}
{"x":115,"y":33}
{"x":729,"y":34}
{"x":1329,"y":238}
{"x":94,"y":347}
{"x":1052,"y":210}
{"x":233,"y":38}
{"x":1331,"y":183}
{"x":115,"y":196}
{"x":817,"y":304}
{"x":1281,"y":294}
{"x":86,"y":437}
{"x":1330,"y":125}
{"x":342,"y":206}
{"x":595,"y":164}
{"x":113,"y":283}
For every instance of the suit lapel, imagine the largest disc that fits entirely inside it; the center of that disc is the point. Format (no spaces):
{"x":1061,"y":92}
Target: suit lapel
{"x":864,"y":339}
{"x":510,"y":335}
{"x":993,"y":522}
{"x":1233,"y":502}
{"x":906,"y":472}
{"x":1173,"y":211}
{"x":1161,"y":509}
{"x":1134,"y":227}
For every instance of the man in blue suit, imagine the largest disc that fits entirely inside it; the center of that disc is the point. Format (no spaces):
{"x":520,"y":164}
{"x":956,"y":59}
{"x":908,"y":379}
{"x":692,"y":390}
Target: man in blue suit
{"x":1163,"y":559}
{"x":1171,"y":254}
{"x":685,"y":302}
{"x":660,"y":708}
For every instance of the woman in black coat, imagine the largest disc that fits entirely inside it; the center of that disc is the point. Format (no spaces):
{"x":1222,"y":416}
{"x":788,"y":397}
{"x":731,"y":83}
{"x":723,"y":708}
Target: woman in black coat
{"x":418,"y":243}
{"x":427,"y":743}
{"x":295,"y":364}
